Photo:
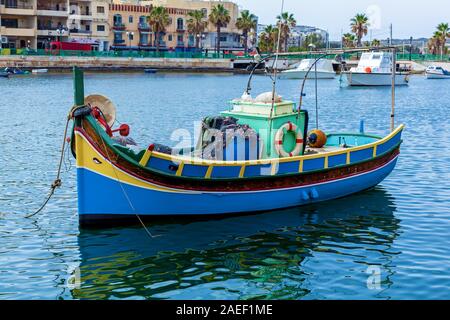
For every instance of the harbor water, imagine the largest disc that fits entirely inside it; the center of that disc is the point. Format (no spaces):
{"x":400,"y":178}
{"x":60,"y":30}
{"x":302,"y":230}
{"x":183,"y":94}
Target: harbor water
{"x":391,"y":242}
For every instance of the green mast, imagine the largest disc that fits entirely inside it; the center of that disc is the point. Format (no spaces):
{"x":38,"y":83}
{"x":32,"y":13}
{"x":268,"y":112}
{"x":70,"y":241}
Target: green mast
{"x":78,"y":86}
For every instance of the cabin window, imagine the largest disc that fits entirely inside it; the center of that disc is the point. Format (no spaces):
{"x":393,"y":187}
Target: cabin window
{"x":376,"y":57}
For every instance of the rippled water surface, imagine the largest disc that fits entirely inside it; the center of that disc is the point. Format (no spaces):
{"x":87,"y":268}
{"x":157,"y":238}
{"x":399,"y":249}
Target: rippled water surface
{"x":323,"y":251}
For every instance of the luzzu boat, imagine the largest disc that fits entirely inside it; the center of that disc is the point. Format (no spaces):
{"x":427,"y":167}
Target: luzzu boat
{"x":262,"y":163}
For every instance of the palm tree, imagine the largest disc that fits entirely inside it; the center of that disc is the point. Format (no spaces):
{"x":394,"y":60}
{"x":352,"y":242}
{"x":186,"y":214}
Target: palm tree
{"x":159,"y":20}
{"x":219,"y":17}
{"x":443,"y":30}
{"x":246,"y":22}
{"x":360,"y":26}
{"x":286,"y":21}
{"x":196,"y":25}
{"x":268,"y":39}
{"x":376,"y":43}
{"x":348,"y":40}
{"x":435,"y":43}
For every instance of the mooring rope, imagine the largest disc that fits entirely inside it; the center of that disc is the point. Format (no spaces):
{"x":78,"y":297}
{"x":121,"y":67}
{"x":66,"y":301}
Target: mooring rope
{"x":57,"y":183}
{"x":125,"y":192}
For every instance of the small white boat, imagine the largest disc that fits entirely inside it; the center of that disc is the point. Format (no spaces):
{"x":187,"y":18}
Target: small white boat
{"x":39,"y":70}
{"x":324,"y":70}
{"x":375,"y":69}
{"x":435,"y":72}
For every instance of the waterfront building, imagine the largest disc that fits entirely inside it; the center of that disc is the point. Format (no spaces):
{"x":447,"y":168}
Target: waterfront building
{"x":35,"y":23}
{"x":18,"y":23}
{"x":130,"y":27}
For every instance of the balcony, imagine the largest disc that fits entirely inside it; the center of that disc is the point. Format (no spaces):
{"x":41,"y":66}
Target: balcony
{"x":181,"y":30}
{"x":119,"y":42}
{"x":118,"y":26}
{"x":79,"y":31}
{"x":17,"y":9}
{"x":52,"y":11}
{"x":52,"y":30}
{"x":144,"y":27}
{"x":18,"y":32}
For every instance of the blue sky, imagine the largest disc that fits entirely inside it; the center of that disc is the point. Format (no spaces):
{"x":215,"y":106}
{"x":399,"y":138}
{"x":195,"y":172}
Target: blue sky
{"x":409,"y":18}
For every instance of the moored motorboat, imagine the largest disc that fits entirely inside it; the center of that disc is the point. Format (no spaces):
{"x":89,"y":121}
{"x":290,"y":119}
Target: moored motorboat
{"x":15,"y":71}
{"x":324,"y":70}
{"x":256,"y":156}
{"x":375,"y":69}
{"x":436,"y":72}
{"x":150,"y":70}
{"x":39,"y":71}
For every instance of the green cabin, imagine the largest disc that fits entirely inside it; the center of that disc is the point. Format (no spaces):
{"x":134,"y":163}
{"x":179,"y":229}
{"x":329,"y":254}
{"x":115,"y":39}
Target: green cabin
{"x":264,"y":120}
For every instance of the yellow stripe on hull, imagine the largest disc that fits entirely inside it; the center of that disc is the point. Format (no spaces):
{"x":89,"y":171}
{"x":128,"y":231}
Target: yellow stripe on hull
{"x":86,"y":154}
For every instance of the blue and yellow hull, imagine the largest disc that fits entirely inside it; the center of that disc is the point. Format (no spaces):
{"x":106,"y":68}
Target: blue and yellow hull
{"x":111,"y":185}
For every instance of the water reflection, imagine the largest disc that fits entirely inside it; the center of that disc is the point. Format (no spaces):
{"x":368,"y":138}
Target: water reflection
{"x":259,"y":256}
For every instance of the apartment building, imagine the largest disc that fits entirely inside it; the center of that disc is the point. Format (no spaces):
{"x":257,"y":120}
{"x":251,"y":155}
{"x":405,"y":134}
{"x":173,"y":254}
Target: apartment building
{"x":18,"y":23}
{"x":35,"y":23}
{"x":129,"y":22}
{"x":105,"y":23}
{"x":230,"y":37}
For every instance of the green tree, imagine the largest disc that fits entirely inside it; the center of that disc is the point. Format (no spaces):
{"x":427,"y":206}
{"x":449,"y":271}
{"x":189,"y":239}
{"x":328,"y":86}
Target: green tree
{"x":246,"y":22}
{"x":348,"y":40}
{"x":158,"y":19}
{"x":268,"y":39}
{"x":376,"y":43}
{"x":443,"y":32}
{"x":286,"y":21}
{"x":219,"y":17}
{"x":360,"y":26}
{"x":196,"y":25}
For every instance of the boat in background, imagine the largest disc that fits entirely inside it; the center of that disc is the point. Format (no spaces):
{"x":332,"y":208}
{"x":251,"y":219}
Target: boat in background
{"x":150,"y":70}
{"x":39,"y":71}
{"x":436,"y":72}
{"x":375,"y":69}
{"x":4,"y":74}
{"x":325,"y":70}
{"x":15,"y":71}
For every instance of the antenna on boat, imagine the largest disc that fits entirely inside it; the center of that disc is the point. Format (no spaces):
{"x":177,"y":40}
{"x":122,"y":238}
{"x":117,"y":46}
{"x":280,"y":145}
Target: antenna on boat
{"x":394,"y":71}
{"x":275,"y":71}
{"x":275,"y":63}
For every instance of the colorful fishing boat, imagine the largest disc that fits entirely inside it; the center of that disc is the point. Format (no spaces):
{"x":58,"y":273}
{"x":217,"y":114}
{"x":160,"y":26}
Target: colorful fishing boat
{"x":256,"y":156}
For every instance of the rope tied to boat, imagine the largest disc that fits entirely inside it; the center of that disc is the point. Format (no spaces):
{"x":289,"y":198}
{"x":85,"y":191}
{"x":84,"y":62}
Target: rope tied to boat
{"x":57,"y":183}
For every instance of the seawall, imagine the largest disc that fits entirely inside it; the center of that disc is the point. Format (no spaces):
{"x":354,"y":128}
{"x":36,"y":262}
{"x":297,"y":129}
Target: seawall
{"x":106,"y":63}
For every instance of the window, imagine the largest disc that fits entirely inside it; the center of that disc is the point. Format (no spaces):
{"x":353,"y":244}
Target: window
{"x":100,"y":9}
{"x":170,"y":38}
{"x":117,"y":19}
{"x":180,"y":38}
{"x":130,"y":19}
{"x":100,"y":28}
{"x":223,"y":38}
{"x":88,"y":27}
{"x":180,"y":24}
{"x":205,"y":12}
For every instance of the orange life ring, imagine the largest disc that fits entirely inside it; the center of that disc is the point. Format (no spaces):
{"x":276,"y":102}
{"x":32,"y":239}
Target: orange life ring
{"x":368,"y":70}
{"x":289,"y":126}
